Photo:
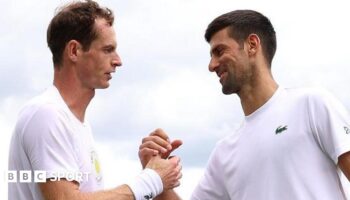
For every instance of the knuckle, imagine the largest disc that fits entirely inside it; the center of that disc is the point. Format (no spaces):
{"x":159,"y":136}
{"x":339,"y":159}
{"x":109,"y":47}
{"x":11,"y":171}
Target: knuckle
{"x":152,"y":138}
{"x":155,"y":132}
{"x":144,"y":139}
{"x":141,"y":151}
{"x":141,"y":147}
{"x":159,"y":130}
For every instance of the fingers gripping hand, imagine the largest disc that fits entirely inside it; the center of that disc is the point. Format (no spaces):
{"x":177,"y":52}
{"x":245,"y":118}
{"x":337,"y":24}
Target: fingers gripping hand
{"x":157,"y":143}
{"x":169,"y":170}
{"x":174,"y":145}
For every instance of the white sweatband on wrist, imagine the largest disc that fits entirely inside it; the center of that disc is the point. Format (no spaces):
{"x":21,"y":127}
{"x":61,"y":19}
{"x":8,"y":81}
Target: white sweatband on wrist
{"x":146,"y":185}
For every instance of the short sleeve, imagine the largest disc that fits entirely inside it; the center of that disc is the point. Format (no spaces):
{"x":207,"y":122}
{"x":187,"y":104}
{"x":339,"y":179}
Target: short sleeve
{"x":330,"y":123}
{"x":211,"y":186}
{"x":49,"y":143}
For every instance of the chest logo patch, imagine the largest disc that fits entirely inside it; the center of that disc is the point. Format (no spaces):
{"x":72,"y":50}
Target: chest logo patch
{"x":280,"y":129}
{"x":96,"y":165}
{"x":347,"y":130}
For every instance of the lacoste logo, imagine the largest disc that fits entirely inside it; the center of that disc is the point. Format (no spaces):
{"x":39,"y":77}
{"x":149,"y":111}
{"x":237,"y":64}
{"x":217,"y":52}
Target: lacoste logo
{"x":148,"y":196}
{"x":280,"y":129}
{"x":347,"y":130}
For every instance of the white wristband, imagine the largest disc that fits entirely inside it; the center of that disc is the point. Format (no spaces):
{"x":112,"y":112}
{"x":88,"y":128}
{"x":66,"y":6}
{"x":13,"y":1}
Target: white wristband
{"x":146,"y":185}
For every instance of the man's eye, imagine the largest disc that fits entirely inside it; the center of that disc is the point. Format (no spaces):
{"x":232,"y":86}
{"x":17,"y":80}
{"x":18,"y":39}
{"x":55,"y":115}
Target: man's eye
{"x":220,"y":51}
{"x":108,"y":50}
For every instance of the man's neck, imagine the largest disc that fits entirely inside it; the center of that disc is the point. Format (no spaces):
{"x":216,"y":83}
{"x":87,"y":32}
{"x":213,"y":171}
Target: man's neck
{"x":76,"y":97}
{"x":256,"y":94}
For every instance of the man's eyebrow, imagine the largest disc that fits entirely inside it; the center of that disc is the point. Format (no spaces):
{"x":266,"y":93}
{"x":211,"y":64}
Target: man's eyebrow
{"x":109,"y":46}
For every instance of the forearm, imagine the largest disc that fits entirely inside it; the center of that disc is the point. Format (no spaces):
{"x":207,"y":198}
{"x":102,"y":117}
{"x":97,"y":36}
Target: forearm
{"x":122,"y":192}
{"x":168,"y":195}
{"x":69,"y":190}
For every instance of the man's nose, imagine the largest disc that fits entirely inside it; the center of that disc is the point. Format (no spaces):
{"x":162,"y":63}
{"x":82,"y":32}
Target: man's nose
{"x":213,"y":64}
{"x":116,"y":62}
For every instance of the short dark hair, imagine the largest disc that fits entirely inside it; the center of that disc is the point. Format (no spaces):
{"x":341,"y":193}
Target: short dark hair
{"x":75,"y":21}
{"x":241,"y":24}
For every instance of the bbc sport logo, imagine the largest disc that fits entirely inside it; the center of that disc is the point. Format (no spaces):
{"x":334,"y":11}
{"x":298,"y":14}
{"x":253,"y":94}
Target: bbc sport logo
{"x":27,"y":176}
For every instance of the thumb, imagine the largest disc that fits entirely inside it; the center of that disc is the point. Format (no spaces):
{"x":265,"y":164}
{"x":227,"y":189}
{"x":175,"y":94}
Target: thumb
{"x":174,"y":145}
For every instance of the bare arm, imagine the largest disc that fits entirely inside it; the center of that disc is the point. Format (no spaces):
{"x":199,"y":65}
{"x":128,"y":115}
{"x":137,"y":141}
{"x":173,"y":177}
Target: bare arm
{"x":344,"y":164}
{"x":64,"y":189}
{"x":168,"y":195}
{"x":168,"y":170}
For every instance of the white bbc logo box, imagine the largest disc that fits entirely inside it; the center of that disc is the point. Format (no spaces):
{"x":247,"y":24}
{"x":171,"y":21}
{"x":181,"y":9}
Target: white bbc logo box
{"x":25,"y":176}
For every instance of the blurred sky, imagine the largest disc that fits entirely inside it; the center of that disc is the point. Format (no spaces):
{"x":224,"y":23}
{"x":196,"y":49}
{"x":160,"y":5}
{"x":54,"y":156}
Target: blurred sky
{"x":164,"y":81}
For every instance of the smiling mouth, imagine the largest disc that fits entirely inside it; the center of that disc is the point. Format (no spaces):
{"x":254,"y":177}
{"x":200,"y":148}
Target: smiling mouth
{"x":220,"y":71}
{"x":222,"y":75}
{"x":109,"y":76}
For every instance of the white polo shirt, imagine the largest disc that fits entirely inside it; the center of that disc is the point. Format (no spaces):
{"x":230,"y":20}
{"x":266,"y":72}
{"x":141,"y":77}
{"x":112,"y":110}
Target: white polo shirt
{"x":287,"y":149}
{"x":49,"y":138}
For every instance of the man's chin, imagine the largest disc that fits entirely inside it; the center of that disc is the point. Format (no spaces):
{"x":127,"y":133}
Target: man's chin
{"x":228,"y":90}
{"x":104,"y":86}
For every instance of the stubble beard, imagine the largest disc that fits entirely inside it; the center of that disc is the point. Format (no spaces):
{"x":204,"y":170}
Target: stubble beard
{"x":229,"y":85}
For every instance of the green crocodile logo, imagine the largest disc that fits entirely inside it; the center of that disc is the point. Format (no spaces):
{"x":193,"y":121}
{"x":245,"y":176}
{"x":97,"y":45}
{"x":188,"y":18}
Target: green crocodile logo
{"x":280,"y":129}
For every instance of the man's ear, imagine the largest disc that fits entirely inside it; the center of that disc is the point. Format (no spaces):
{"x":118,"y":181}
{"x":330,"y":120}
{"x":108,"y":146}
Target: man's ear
{"x":253,"y":42}
{"x":73,"y":49}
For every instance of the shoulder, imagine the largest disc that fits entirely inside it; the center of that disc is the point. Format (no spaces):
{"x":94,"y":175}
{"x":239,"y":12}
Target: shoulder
{"x":310,"y":94}
{"x":45,"y":106}
{"x":318,"y":101}
{"x":40,"y":113}
{"x":320,"y":96}
{"x":308,"y":91}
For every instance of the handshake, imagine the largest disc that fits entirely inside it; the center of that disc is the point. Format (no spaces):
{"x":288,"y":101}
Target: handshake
{"x":161,"y":172}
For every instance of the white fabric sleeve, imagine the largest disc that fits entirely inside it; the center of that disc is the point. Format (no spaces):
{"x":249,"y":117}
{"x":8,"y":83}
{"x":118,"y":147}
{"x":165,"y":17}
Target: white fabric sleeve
{"x":330,"y":123}
{"x":211,"y":186}
{"x":48,"y":143}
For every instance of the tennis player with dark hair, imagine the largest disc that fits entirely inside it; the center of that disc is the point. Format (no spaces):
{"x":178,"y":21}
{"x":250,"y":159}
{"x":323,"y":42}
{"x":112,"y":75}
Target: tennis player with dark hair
{"x":292,"y":143}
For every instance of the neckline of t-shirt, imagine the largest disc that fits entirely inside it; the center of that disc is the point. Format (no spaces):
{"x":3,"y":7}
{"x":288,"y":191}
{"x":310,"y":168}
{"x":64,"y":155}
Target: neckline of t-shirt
{"x":65,"y":106}
{"x":266,"y":105}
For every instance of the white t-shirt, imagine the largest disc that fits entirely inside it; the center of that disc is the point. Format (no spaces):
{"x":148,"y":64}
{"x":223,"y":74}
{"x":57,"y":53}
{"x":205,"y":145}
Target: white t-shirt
{"x":49,"y":138}
{"x":288,"y":149}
